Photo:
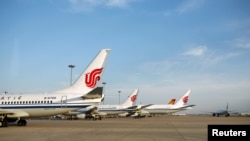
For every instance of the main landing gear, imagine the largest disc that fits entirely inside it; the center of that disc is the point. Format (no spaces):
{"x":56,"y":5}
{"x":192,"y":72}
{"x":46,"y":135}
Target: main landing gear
{"x":4,"y":121}
{"x":21,"y":122}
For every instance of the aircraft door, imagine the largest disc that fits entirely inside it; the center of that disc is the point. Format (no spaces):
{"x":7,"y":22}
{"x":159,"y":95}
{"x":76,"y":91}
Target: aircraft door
{"x":64,"y":102}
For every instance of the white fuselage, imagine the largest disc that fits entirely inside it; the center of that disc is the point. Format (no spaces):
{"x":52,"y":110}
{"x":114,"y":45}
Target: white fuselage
{"x":162,"y":109}
{"x":37,"y":105}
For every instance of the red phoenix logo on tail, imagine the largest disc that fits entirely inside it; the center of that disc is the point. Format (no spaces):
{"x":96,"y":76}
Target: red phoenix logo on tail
{"x":92,"y":77}
{"x":133,"y":98}
{"x":185,"y":99}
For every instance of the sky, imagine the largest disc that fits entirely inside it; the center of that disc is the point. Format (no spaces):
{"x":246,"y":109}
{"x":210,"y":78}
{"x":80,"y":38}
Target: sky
{"x":162,"y":47}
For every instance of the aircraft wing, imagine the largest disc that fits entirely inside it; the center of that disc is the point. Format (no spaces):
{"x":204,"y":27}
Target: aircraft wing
{"x":233,"y":112}
{"x":186,"y":106}
{"x":138,"y":107}
{"x":135,"y":109}
{"x":88,"y":110}
{"x":132,"y":107}
{"x":145,"y":106}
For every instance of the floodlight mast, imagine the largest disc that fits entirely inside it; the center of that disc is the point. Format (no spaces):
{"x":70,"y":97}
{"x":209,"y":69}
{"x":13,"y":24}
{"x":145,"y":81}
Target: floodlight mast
{"x":71,"y":67}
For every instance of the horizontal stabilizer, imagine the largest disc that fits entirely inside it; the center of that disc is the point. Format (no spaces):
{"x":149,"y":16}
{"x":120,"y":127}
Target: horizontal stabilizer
{"x":94,"y":94}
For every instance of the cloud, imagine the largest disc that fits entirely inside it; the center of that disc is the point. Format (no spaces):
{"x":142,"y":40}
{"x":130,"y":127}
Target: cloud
{"x":242,"y":43}
{"x":90,"y":5}
{"x":238,"y":25}
{"x":198,"y":51}
{"x":215,"y":59}
{"x":189,"y":5}
{"x":82,"y":5}
{"x":209,"y":58}
{"x":167,"y":13}
{"x":117,"y":3}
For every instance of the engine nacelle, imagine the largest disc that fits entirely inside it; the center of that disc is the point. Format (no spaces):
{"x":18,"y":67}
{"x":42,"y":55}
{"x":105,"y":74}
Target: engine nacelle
{"x":123,"y":114}
{"x":81,"y":116}
{"x":143,"y":112}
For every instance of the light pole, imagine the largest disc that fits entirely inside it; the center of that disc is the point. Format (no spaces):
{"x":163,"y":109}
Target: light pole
{"x":119,"y":96}
{"x":104,"y":83}
{"x":71,"y":67}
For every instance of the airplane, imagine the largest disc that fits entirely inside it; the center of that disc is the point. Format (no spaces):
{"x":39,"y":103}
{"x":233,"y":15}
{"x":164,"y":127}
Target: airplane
{"x":218,"y":113}
{"x":97,"y":112}
{"x":134,"y":110}
{"x":85,"y":91}
{"x":159,"y":109}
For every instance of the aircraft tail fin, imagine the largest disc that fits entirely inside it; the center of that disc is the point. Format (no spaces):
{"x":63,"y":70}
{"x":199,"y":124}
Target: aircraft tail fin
{"x":131,"y":99}
{"x":91,"y":76}
{"x":172,"y":101}
{"x":183,"y":100}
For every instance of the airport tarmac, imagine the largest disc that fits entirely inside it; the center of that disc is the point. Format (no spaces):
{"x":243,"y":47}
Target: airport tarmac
{"x":166,"y":128}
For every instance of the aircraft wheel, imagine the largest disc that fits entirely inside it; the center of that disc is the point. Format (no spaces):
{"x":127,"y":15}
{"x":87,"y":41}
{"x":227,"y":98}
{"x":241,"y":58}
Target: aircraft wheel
{"x":4,"y":123}
{"x":19,"y":123}
{"x":22,"y":122}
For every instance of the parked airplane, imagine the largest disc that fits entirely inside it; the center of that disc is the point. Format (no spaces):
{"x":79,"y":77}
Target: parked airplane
{"x":218,"y":113}
{"x":97,"y":112}
{"x":157,"y":109}
{"x":134,"y":110}
{"x":83,"y":93}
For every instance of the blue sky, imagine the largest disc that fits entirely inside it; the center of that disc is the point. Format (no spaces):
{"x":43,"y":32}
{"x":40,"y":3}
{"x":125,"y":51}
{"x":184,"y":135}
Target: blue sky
{"x":162,"y":47}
